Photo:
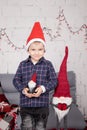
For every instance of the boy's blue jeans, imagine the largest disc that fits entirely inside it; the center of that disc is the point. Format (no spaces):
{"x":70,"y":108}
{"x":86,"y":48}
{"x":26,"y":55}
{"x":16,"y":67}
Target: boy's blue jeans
{"x":34,"y":118}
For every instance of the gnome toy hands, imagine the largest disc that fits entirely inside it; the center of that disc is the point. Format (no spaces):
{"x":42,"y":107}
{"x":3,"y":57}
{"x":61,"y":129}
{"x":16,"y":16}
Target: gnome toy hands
{"x":32,"y":84}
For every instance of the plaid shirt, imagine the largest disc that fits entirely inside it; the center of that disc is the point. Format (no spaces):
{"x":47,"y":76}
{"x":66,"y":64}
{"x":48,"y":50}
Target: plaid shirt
{"x":46,"y":76}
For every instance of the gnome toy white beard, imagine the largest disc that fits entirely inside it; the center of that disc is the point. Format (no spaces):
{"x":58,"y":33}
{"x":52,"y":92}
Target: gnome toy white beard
{"x":63,"y":100}
{"x":31,"y":85}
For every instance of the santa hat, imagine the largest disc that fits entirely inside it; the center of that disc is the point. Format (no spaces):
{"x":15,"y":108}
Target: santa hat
{"x":32,"y":83}
{"x":36,"y":35}
{"x":62,"y":98}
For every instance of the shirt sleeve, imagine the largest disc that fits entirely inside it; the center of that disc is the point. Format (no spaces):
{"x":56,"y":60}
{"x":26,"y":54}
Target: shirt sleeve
{"x":43,"y":89}
{"x":17,"y":80}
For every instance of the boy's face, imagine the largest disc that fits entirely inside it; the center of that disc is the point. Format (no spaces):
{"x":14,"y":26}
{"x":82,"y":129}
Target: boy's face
{"x":36,"y":51}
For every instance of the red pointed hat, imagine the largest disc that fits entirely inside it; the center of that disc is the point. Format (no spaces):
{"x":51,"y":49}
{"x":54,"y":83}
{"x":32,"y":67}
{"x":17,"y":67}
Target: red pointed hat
{"x":36,"y":35}
{"x":63,"y":88}
{"x":33,"y":78}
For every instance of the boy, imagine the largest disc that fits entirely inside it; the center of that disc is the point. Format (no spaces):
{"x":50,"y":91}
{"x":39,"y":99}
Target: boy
{"x":34,"y":93}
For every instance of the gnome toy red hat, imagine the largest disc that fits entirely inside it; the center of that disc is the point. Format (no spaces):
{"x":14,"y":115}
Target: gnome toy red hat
{"x":36,"y":35}
{"x":34,"y":78}
{"x":62,"y":98}
{"x":32,"y":83}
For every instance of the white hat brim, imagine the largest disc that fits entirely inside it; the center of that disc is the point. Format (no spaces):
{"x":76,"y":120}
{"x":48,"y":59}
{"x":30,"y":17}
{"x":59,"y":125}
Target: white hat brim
{"x":33,"y":40}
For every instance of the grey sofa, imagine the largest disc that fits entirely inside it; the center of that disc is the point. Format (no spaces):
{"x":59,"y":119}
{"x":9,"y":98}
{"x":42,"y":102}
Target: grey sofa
{"x":74,"y":119}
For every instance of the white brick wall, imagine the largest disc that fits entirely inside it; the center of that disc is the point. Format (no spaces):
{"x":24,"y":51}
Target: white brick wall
{"x":18,"y":16}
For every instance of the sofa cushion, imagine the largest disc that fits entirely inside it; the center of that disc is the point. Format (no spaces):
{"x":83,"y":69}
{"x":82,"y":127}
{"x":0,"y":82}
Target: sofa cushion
{"x":7,"y":82}
{"x":14,"y":98}
{"x":4,"y":103}
{"x":9,"y":90}
{"x":3,"y":98}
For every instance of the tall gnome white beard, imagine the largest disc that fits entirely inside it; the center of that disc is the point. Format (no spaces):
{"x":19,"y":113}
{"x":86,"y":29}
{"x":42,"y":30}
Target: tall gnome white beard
{"x":61,"y":113}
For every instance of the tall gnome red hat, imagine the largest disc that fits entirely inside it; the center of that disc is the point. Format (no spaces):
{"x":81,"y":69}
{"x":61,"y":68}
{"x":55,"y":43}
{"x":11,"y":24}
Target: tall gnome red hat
{"x":63,"y":88}
{"x":32,"y":83}
{"x":36,"y":35}
{"x":62,"y":98}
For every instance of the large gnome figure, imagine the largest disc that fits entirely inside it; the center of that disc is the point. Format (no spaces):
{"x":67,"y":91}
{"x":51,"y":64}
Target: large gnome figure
{"x":62,"y":98}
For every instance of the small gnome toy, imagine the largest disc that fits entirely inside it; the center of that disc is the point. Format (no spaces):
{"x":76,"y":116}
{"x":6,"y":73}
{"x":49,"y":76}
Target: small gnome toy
{"x":62,"y":99}
{"x":32,"y":83}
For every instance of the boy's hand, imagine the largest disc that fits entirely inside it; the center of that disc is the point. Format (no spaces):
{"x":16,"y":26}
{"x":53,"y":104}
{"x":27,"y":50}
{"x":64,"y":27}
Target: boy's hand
{"x":26,"y":92}
{"x":38,"y":92}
